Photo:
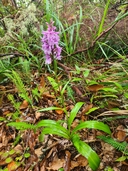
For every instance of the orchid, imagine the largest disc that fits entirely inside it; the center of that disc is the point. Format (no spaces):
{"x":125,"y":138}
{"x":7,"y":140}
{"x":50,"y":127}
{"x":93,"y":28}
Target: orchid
{"x":50,"y":43}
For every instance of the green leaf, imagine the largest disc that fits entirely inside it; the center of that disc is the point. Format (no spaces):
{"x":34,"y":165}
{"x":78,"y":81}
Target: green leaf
{"x":50,"y":108}
{"x":92,"y":110}
{"x":122,"y":158}
{"x":87,"y":152}
{"x":74,"y":113}
{"x":8,"y":160}
{"x":77,"y":69}
{"x":56,"y":131}
{"x":53,"y":83}
{"x":126,"y":95}
{"x":94,"y":125}
{"x":63,"y":89}
{"x":86,"y":73}
{"x":109,"y":90}
{"x":11,"y":152}
{"x":2,"y":119}
{"x":54,"y":128}
{"x":108,"y":168}
{"x":27,"y":155}
{"x":21,"y":125}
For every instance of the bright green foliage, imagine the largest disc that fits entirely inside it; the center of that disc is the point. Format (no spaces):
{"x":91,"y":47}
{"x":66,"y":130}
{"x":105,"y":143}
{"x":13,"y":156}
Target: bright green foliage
{"x":74,"y":113}
{"x":56,"y":128}
{"x":21,"y":125}
{"x":92,"y":125}
{"x":15,"y":77}
{"x":86,"y":151}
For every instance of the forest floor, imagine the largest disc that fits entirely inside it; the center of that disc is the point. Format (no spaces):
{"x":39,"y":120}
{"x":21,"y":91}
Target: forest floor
{"x":103,"y":101}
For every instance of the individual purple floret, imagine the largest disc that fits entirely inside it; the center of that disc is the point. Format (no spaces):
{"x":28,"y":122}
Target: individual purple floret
{"x":50,"y":43}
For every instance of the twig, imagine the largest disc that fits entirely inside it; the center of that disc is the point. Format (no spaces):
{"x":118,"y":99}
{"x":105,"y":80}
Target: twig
{"x":10,"y":55}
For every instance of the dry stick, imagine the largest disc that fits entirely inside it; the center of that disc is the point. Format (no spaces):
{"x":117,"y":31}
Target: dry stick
{"x":111,"y":113}
{"x":10,"y":55}
{"x":93,"y":43}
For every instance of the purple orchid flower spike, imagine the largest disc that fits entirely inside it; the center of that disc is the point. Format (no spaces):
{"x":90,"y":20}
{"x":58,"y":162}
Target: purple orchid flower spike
{"x":50,"y":43}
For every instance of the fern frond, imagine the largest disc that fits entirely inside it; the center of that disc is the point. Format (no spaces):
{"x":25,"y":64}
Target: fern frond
{"x":21,"y":125}
{"x":15,"y":77}
{"x":121,"y":146}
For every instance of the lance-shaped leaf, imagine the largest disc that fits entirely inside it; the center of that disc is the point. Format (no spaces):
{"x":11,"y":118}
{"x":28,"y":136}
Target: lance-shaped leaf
{"x":50,"y":108}
{"x":86,"y":151}
{"x":74,"y":112}
{"x":93,"y":125}
{"x":56,"y":131}
{"x":53,"y":125}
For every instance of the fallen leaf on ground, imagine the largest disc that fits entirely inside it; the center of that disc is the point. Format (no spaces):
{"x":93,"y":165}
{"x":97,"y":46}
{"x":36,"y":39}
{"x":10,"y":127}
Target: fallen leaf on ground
{"x":12,"y":166}
{"x":56,"y":164}
{"x":95,"y":87}
{"x":24,"y":105}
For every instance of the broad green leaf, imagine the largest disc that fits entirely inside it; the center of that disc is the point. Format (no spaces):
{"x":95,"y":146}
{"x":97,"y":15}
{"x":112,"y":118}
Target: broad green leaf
{"x":50,"y":108}
{"x":74,"y":112}
{"x":126,"y":95}
{"x":87,"y":152}
{"x":94,"y":125}
{"x":52,"y":124}
{"x":56,"y":131}
{"x":109,"y":90}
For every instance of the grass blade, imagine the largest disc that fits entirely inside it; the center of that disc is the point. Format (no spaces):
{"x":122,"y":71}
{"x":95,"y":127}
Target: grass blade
{"x":74,"y":113}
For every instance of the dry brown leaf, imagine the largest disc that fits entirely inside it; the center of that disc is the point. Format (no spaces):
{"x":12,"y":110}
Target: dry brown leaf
{"x":37,"y":115}
{"x":56,"y":164}
{"x":87,"y":108}
{"x":48,"y":95}
{"x":6,"y":112}
{"x":41,"y":84}
{"x":75,"y":123}
{"x":18,"y":149}
{"x":113,"y":104}
{"x":59,"y":111}
{"x":71,"y":17}
{"x":74,"y":164}
{"x":95,"y":87}
{"x":120,"y":133}
{"x":38,"y":152}
{"x":24,"y":105}
{"x":82,"y":161}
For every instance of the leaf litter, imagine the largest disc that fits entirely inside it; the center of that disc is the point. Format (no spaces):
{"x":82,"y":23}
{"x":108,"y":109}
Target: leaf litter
{"x":50,"y":152}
